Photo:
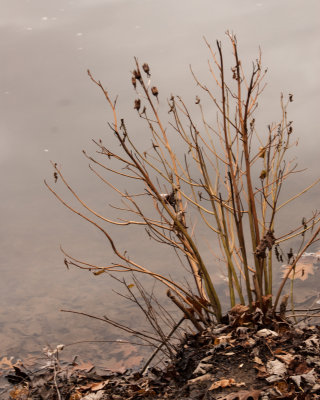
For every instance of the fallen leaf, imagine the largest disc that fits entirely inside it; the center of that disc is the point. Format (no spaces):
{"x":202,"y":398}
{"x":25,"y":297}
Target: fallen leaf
{"x":76,"y":395}
{"x":94,"y":396}
{"x":85,"y":387}
{"x":276,"y":369}
{"x":286,"y":358}
{"x":282,"y":386}
{"x":202,"y":368}
{"x":83,"y":366}
{"x":313,"y":343}
{"x":202,"y":378}
{"x":225,"y":383}
{"x":262,"y":371}
{"x":98,"y":386}
{"x":224,"y":339}
{"x":239,"y":309}
{"x":302,"y":368}
{"x":19,"y":393}
{"x":243,"y":395}
{"x":258,"y":360}
{"x":310,"y":378}
{"x":249,"y":343}
{"x":6,"y":363}
{"x":296,"y":379}
{"x":266,"y":332}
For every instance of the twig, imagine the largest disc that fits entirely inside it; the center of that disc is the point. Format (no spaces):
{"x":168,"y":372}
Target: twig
{"x":162,"y":344}
{"x":55,"y":380}
{"x":143,"y":336}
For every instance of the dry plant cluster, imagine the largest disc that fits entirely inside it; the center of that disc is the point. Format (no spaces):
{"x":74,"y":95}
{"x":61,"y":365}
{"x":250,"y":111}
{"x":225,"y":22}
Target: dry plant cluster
{"x":227,"y":176}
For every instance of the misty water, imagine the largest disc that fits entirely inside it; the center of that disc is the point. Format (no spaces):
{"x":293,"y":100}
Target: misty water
{"x":50,"y":110}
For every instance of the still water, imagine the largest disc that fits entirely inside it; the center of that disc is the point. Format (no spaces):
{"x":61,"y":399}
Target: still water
{"x":50,"y":110}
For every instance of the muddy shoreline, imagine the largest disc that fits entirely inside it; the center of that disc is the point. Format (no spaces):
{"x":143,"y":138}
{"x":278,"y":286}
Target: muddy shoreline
{"x":243,"y":359}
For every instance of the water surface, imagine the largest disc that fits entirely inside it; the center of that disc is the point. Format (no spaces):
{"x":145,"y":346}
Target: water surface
{"x":50,"y":110}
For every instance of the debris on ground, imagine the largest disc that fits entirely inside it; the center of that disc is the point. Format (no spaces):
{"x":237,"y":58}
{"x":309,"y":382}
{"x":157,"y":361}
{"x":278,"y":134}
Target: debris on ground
{"x":239,"y":360}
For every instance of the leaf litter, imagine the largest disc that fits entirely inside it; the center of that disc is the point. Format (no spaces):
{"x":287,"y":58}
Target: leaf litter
{"x":251,"y":356}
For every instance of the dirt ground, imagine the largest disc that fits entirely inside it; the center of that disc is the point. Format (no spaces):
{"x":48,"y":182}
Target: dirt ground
{"x":247,"y":358}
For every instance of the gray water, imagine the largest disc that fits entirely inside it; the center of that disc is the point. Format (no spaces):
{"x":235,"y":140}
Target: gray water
{"x":50,"y":110}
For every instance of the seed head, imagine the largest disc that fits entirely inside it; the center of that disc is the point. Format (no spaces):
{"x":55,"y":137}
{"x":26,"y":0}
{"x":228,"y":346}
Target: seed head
{"x":262,"y":152}
{"x":146,"y":69}
{"x":134,"y":81}
{"x":154,"y":91}
{"x":263,"y":174}
{"x":137,"y":104}
{"x":137,"y":74}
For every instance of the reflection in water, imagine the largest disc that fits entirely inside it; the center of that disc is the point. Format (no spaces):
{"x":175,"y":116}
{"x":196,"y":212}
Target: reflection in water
{"x":51,"y":111}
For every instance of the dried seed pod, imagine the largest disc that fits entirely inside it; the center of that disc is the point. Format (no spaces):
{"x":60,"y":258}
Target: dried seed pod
{"x":137,"y":74}
{"x":263,"y":174}
{"x":197,"y":100}
{"x":134,"y":81}
{"x":137,"y":104}
{"x":290,"y":97}
{"x":146,"y":69}
{"x":262,"y":152}
{"x":154,"y":91}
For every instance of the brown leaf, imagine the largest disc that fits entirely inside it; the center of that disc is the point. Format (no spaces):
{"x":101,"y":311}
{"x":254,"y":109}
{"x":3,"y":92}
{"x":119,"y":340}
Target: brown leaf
{"x":302,"y":368}
{"x":225,"y":383}
{"x":258,"y":360}
{"x":100,"y":385}
{"x":83,"y":366}
{"x":6,"y":363}
{"x":283,"y":387}
{"x":239,"y":309}
{"x":262,"y":371}
{"x":85,"y":387}
{"x":203,"y":378}
{"x":76,"y":395}
{"x":243,"y":395}
{"x":19,"y":393}
{"x":224,"y":339}
{"x":286,"y":358}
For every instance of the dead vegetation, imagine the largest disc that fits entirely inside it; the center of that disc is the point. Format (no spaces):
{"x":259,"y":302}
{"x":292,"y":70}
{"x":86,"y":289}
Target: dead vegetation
{"x":216,"y":172}
{"x":257,"y":359}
